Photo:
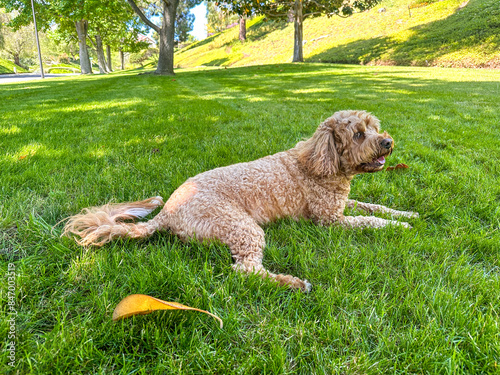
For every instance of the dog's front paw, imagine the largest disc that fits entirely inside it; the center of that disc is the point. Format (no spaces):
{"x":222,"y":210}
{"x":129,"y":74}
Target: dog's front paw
{"x":409,"y":214}
{"x":403,"y":224}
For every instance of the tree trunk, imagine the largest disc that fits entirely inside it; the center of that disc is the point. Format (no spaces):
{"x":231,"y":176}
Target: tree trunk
{"x":122,"y":59}
{"x":167,"y":33}
{"x":101,"y":60}
{"x":72,"y":52}
{"x":298,"y":35}
{"x":16,"y":59}
{"x":81,"y":30}
{"x":243,"y":29}
{"x":108,"y":52}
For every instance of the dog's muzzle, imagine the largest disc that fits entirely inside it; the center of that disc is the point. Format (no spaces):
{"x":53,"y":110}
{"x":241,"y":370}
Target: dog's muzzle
{"x":386,"y":143}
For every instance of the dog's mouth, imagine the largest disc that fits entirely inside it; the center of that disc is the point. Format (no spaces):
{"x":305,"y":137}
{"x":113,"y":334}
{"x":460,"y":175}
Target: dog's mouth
{"x":373,"y":166}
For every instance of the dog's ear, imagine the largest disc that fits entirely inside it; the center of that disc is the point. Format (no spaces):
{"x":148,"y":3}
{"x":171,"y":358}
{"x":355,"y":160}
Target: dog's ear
{"x":318,"y":154}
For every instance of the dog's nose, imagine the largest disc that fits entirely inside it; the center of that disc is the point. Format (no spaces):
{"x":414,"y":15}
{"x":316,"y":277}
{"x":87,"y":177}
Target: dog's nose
{"x":386,"y":143}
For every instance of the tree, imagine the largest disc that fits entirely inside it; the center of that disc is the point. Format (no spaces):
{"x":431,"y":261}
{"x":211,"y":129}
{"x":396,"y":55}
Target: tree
{"x":218,"y":18}
{"x":82,"y":27}
{"x":55,"y":46}
{"x":99,"y":48}
{"x":243,"y":28}
{"x":95,"y":21}
{"x":113,"y":23}
{"x":184,"y":20}
{"x":298,"y":10}
{"x":72,"y":12}
{"x":17,"y":43}
{"x":3,"y":19}
{"x":167,"y":9}
{"x":77,"y":30}
{"x":128,"y":43}
{"x":102,"y":22}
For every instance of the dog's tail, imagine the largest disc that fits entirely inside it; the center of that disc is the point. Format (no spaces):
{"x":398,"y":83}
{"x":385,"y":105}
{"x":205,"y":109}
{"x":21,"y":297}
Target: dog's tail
{"x":96,"y":226}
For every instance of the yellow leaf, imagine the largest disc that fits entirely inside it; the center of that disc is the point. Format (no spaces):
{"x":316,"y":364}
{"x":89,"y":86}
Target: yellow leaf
{"x":140,"y":304}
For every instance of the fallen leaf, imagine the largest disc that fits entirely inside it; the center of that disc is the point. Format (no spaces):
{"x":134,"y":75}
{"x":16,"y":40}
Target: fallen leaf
{"x":398,"y":166}
{"x":141,"y":304}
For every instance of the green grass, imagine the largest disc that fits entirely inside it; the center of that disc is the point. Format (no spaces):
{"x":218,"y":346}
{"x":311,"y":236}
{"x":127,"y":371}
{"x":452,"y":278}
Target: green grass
{"x":63,"y":68}
{"x":446,"y":33}
{"x":7,"y":67}
{"x":399,"y":301}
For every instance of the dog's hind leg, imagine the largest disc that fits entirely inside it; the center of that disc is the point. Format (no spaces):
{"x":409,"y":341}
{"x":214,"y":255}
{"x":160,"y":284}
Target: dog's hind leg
{"x":245,"y":239}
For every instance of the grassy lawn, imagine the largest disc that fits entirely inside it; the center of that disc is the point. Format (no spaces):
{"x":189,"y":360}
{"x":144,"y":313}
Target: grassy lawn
{"x":425,"y":300}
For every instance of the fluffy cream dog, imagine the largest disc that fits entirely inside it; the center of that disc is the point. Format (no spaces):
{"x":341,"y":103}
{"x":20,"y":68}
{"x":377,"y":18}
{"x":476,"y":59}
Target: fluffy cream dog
{"x":311,"y":180}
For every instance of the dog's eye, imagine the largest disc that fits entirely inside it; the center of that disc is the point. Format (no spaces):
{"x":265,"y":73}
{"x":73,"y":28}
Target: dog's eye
{"x":359,"y":135}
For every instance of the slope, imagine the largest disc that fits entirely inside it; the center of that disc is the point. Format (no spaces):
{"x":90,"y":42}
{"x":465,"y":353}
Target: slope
{"x":448,"y":33}
{"x":7,"y":67}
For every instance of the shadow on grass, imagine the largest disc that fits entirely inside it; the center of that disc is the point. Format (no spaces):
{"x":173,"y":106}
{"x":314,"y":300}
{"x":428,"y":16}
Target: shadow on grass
{"x":430,"y":42}
{"x":264,"y":27}
{"x":200,"y":43}
{"x":119,"y":100}
{"x":125,"y":108}
{"x":217,"y":62}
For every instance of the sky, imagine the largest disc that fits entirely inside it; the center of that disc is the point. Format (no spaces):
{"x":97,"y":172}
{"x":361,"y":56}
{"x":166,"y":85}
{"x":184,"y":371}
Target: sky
{"x":200,"y":22}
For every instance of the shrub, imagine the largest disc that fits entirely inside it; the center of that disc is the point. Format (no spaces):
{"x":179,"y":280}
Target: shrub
{"x":63,"y":58}
{"x":142,"y":56}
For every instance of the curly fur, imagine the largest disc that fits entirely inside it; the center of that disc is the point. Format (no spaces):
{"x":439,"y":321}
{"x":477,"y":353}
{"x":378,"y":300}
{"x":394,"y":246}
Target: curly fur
{"x":311,"y":180}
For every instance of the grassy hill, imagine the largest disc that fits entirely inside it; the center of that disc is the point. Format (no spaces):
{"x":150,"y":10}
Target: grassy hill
{"x":7,"y":67}
{"x":451,"y":33}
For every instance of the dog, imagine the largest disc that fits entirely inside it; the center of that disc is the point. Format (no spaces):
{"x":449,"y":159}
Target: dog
{"x":229,"y":204}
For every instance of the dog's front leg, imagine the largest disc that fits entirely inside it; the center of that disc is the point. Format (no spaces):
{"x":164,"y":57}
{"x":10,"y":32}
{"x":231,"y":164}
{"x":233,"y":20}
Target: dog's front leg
{"x":369,"y":222}
{"x":371,"y":208}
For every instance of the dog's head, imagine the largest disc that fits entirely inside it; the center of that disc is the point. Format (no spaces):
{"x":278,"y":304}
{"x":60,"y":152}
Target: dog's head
{"x":349,"y":142}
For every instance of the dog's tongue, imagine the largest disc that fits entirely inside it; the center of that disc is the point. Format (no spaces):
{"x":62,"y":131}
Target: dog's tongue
{"x":381,"y":160}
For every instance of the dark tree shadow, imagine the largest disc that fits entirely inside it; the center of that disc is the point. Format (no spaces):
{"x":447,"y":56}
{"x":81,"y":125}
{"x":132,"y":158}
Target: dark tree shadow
{"x":200,"y":43}
{"x":264,"y":27}
{"x":217,"y":62}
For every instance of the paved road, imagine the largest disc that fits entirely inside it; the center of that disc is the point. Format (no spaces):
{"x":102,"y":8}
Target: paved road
{"x":11,"y":78}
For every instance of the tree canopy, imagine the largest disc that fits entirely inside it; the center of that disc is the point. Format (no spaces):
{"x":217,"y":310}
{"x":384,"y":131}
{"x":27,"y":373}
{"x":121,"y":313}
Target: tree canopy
{"x":218,"y":18}
{"x":99,"y":22}
{"x":184,"y":20}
